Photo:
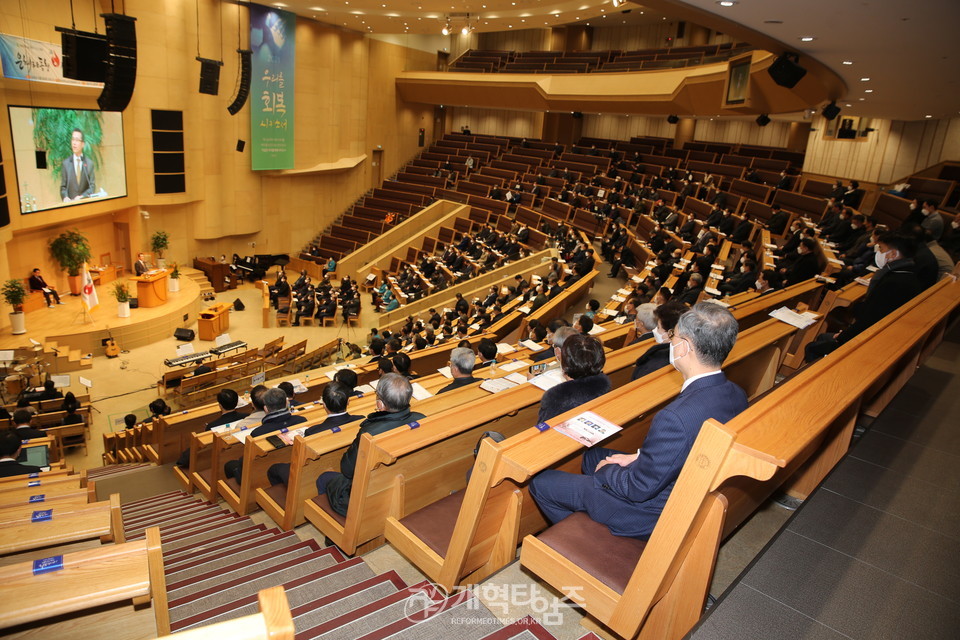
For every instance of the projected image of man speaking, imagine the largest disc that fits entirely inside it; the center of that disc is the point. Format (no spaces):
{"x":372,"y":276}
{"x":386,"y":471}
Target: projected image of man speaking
{"x":77,"y":179}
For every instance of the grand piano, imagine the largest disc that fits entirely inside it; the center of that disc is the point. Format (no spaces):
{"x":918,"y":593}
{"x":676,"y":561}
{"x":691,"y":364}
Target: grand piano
{"x":255,"y":267}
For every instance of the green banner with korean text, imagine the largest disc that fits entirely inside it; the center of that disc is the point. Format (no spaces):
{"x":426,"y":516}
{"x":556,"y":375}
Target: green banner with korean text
{"x":271,"y":87}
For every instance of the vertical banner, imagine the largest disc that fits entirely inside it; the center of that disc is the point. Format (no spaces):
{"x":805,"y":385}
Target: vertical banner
{"x":272,"y":34}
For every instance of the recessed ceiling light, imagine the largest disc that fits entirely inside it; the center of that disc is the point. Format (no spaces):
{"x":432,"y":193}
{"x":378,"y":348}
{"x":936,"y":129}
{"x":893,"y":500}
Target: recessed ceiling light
{"x":773,"y":22}
{"x":864,"y":79}
{"x":861,"y":99}
{"x":928,"y":116}
{"x":848,"y":105}
{"x":868,"y":90}
{"x":848,"y":62}
{"x":726,"y":3}
{"x":807,"y":38}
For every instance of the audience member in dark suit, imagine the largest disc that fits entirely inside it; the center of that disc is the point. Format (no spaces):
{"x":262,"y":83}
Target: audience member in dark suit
{"x":335,"y":398}
{"x":627,"y":491}
{"x":582,"y":359}
{"x":894,"y":284}
{"x":37,"y":283}
{"x":228,"y":400}
{"x":21,"y":425}
{"x":656,"y":357}
{"x":693,"y":290}
{"x":805,"y":266}
{"x":49,"y":391}
{"x":9,"y":451}
{"x":778,"y":220}
{"x":462,"y":361}
{"x":393,"y":410}
{"x":278,"y":417}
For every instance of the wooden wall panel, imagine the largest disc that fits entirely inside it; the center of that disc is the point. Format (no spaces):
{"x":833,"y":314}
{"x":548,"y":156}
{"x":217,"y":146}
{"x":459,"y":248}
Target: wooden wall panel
{"x":618,"y":127}
{"x":496,"y":122}
{"x":515,"y":40}
{"x":895,"y":150}
{"x":646,"y":36}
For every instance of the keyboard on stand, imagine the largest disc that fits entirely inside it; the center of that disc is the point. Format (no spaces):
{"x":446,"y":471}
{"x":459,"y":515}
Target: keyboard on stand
{"x":230,"y":346}
{"x":188,"y":359}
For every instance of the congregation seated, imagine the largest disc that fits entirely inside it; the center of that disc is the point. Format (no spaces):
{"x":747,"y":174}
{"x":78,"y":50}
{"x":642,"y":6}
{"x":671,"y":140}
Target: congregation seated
{"x":894,"y":284}
{"x":259,"y":411}
{"x":227,"y":400}
{"x":22,"y":425}
{"x":627,"y":491}
{"x":10,"y":446}
{"x":393,"y":410}
{"x":581,"y":358}
{"x":657,"y":356}
{"x":277,"y":417}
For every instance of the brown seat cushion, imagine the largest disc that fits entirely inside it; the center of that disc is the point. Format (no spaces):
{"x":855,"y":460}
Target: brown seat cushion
{"x":234,"y":486}
{"x":590,"y":545}
{"x":434,"y":523}
{"x":277,"y":493}
{"x":324,"y":503}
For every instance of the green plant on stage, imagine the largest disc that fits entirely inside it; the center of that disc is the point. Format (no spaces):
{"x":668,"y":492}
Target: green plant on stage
{"x":175,"y":274}
{"x":70,"y":249}
{"x":159,"y":242}
{"x":53,"y":129}
{"x":121,"y":292}
{"x":14,"y":293}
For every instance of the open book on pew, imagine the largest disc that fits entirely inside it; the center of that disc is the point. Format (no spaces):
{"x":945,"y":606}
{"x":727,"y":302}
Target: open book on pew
{"x":549,"y":379}
{"x":587,"y":428}
{"x":503,"y":347}
{"x":530,"y":344}
{"x":798,"y":320}
{"x":496,"y":385}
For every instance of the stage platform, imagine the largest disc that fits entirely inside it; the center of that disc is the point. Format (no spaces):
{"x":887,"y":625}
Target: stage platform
{"x":65,"y":325}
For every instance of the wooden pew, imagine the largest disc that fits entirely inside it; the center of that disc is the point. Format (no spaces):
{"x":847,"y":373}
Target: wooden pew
{"x":273,"y":622}
{"x":468,"y":536}
{"x":798,"y":432}
{"x":89,"y":578}
{"x":97,"y":520}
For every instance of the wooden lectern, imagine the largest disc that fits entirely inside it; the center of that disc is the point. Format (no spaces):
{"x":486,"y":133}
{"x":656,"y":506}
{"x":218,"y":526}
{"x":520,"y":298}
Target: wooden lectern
{"x":152,"y":288}
{"x":214,"y":321}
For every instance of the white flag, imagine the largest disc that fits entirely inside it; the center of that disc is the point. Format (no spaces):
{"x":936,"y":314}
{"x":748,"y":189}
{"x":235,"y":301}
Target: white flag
{"x":88,"y":293}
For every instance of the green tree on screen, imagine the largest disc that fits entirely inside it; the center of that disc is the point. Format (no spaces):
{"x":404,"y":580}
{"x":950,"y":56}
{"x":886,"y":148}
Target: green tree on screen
{"x":52,"y":129}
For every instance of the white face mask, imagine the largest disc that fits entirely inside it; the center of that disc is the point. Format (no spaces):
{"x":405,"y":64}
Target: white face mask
{"x":912,"y":206}
{"x":880,"y":259}
{"x":758,"y":284}
{"x":925,"y":212}
{"x":674,"y":358}
{"x":661,"y":338}
{"x":743,"y":269}
{"x":955,"y":224}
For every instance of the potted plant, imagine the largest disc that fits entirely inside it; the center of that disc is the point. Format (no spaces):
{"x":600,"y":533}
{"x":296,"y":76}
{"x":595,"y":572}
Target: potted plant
{"x":159,"y":242}
{"x":71,"y":249}
{"x":173,"y":284}
{"x":122,"y":294}
{"x":14,"y":293}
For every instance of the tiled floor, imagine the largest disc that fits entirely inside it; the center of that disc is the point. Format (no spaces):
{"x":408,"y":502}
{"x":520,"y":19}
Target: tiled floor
{"x":874,"y":552}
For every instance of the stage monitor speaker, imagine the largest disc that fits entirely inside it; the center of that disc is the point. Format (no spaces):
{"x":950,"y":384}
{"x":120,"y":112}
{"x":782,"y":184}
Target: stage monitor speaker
{"x":185,"y":335}
{"x":209,"y":76}
{"x":786,"y":71}
{"x":238,"y":305}
{"x":121,"y":73}
{"x":240,"y":145}
{"x":134,"y":303}
{"x":243,"y":89}
{"x":84,"y":55}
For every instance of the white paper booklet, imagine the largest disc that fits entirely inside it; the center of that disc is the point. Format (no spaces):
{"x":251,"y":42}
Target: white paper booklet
{"x":549,"y":379}
{"x":587,"y":428}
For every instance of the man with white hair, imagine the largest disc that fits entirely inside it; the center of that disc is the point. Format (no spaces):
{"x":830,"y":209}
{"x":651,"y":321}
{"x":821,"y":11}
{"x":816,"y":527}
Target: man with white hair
{"x":627,"y":491}
{"x":462,"y":361}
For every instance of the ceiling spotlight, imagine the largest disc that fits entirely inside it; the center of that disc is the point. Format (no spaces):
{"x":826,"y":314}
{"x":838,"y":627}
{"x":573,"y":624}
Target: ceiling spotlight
{"x":831,"y":111}
{"x":465,"y":31}
{"x":617,"y":3}
{"x":807,"y":38}
{"x":763,"y":119}
{"x":672,"y":119}
{"x":446,"y":30}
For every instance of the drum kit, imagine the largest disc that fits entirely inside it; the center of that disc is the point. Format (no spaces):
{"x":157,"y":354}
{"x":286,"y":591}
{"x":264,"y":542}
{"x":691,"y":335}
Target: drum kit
{"x":25,"y":371}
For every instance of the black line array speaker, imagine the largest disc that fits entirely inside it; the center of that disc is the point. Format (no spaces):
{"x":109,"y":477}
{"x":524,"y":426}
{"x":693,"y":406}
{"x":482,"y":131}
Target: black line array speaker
{"x":84,"y":55}
{"x":786,"y":70}
{"x":243,"y":89}
{"x":185,"y":335}
{"x":121,"y":73}
{"x":209,"y":76}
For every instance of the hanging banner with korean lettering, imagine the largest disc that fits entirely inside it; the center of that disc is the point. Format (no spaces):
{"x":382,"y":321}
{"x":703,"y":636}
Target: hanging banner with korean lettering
{"x":271,"y":87}
{"x":26,"y":59}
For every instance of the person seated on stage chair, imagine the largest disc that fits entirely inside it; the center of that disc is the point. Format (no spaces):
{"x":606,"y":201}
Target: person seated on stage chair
{"x":335,"y":398}
{"x":393,"y":410}
{"x":627,"y":491}
{"x":278,"y":417}
{"x":462,"y":362}
{"x":10,"y":446}
{"x":37,"y":283}
{"x":22,"y":426}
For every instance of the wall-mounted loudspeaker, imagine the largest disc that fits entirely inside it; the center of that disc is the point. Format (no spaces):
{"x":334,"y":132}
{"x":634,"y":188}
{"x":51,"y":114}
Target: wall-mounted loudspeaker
{"x":763,"y":119}
{"x":577,"y":115}
{"x":672,"y":119}
{"x":786,"y":70}
{"x":240,"y":145}
{"x":84,"y":55}
{"x":121,"y":62}
{"x":209,"y":76}
{"x":831,"y":111}
{"x":243,"y":88}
